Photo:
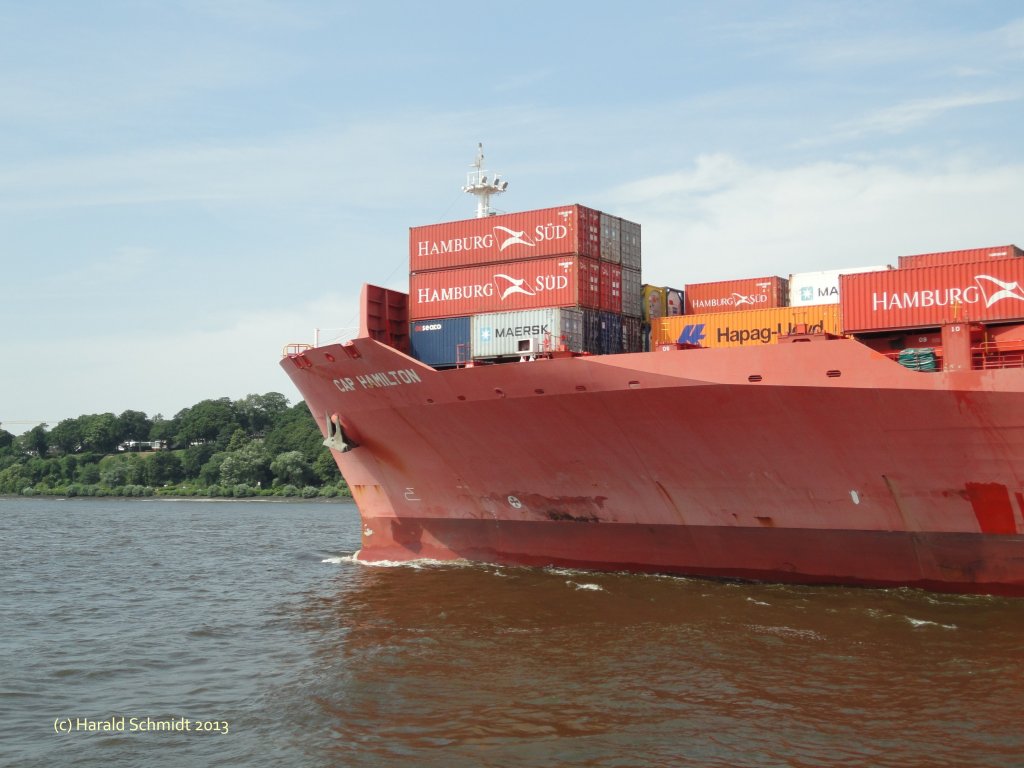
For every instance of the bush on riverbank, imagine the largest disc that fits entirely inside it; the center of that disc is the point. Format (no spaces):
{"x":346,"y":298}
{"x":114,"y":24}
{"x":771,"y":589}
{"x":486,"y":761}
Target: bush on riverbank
{"x":255,"y":447}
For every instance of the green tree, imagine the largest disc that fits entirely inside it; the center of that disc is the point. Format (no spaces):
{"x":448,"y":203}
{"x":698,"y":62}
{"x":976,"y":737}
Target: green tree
{"x":194,"y":457}
{"x":67,"y":435}
{"x":138,"y":470}
{"x":68,"y":467}
{"x":14,"y":479}
{"x":291,"y":468}
{"x":100,"y":432}
{"x":133,"y":425}
{"x":206,"y":420}
{"x":325,"y":469}
{"x":238,"y":440}
{"x":88,"y":474}
{"x":210,"y":472}
{"x":114,"y":474}
{"x":163,"y":429}
{"x":165,"y":467}
{"x":250,"y":465}
{"x":258,"y":413}
{"x":296,"y":430}
{"x":6,"y":439}
{"x":35,"y":440}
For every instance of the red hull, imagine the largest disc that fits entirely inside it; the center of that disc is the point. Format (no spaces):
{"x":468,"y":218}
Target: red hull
{"x":811,"y":463}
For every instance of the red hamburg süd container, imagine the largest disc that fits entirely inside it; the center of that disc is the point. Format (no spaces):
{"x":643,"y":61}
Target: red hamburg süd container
{"x":931,"y":296}
{"x":563,"y":281}
{"x":731,"y":295}
{"x":959,"y":257}
{"x":611,"y":287}
{"x":569,"y":229}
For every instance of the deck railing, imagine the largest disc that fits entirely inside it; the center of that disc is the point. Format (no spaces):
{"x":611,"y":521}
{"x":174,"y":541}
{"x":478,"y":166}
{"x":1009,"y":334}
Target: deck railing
{"x":986,"y":356}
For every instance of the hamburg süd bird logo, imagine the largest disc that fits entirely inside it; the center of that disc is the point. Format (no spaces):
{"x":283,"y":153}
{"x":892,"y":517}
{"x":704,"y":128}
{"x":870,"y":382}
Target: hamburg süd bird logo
{"x":741,"y":300}
{"x":1007,"y":290}
{"x":515,"y":286}
{"x":513,"y":238}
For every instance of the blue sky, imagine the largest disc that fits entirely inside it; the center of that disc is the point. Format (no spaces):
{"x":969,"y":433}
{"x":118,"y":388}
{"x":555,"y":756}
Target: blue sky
{"x":188,"y":185}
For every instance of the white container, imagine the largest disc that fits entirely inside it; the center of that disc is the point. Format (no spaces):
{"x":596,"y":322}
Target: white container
{"x":808,"y":288}
{"x":526,"y":332}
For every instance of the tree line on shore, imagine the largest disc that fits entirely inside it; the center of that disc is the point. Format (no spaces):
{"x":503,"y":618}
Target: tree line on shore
{"x":256,"y":446}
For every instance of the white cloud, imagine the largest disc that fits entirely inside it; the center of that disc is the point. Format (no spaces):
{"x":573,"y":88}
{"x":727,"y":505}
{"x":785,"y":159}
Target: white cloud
{"x":1011,"y":38}
{"x":163,"y":373}
{"x":909,"y":114}
{"x":358,"y":164}
{"x":122,"y":267}
{"x":761,"y":220}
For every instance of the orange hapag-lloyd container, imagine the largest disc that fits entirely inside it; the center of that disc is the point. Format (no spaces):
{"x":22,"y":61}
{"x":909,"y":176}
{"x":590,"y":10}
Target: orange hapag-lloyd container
{"x":560,"y":281}
{"x":569,"y":229}
{"x":987,"y":291}
{"x":744,"y":327}
{"x":959,"y":257}
{"x":732,"y":295}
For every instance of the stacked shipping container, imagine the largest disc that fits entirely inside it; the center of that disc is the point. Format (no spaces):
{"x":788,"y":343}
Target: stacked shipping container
{"x":907,"y":309}
{"x":970,"y":255}
{"x":927,"y":291}
{"x":572,"y":229}
{"x":730,"y":295}
{"x":660,"y":301}
{"x":572,"y":258}
{"x":927,"y":297}
{"x":569,"y":278}
{"x":807,"y":288}
{"x":744,"y":327}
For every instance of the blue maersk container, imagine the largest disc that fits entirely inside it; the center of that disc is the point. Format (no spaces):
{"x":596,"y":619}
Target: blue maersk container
{"x":444,"y":342}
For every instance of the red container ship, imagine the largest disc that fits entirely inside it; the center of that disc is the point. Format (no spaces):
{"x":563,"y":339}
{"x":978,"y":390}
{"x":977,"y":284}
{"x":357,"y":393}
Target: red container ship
{"x":814,"y":460}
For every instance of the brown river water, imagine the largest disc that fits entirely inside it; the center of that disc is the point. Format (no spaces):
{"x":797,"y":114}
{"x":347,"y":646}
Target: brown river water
{"x":152,"y":633}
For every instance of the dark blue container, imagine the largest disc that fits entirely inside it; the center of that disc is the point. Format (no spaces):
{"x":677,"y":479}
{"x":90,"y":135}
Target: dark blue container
{"x":442,"y":343}
{"x":602,"y":332}
{"x":611,"y":333}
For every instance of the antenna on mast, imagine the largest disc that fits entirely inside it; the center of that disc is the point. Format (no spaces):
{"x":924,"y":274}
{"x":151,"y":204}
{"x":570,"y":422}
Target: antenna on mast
{"x":477,"y":184}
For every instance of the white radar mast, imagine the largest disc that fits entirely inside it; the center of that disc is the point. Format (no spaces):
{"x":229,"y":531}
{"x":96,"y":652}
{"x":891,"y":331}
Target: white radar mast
{"x":477,"y":184}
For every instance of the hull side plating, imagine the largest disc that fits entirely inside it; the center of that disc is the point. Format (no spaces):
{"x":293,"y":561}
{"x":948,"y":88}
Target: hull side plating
{"x":811,"y":463}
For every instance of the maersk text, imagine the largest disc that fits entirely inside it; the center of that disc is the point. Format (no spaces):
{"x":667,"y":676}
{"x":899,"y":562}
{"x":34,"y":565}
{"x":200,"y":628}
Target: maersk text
{"x":521,"y":330}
